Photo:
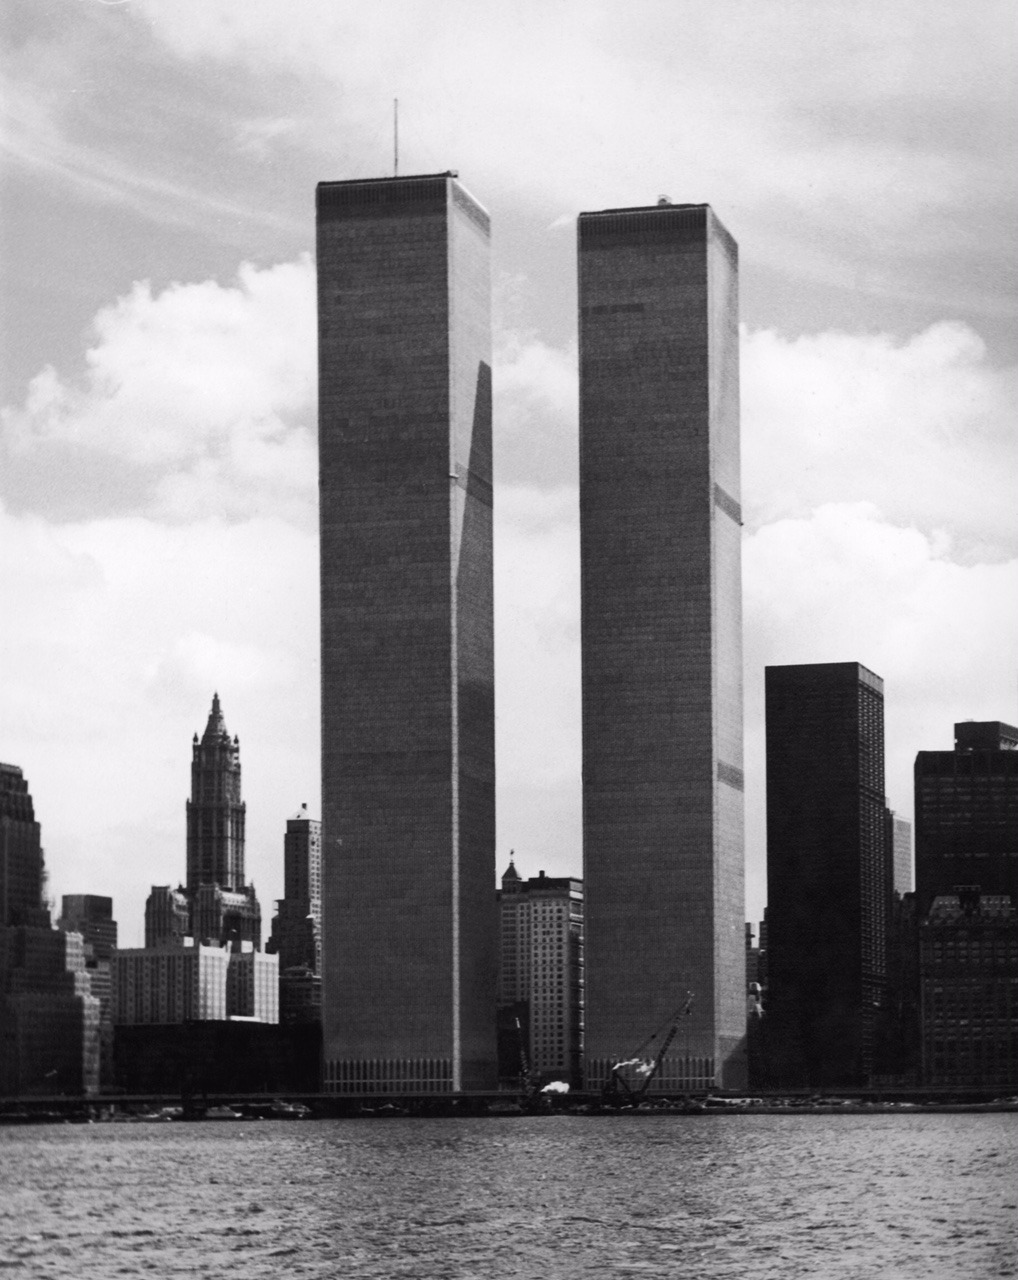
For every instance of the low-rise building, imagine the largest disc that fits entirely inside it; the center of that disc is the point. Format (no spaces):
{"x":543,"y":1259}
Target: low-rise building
{"x":170,"y":984}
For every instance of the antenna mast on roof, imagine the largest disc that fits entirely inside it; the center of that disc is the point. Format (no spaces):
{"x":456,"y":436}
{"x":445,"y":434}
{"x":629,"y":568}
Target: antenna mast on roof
{"x":395,"y":137}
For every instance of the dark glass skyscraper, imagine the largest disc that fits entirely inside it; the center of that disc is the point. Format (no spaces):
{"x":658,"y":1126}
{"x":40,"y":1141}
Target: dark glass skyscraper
{"x":408,"y":822}
{"x":660,"y":544}
{"x":966,"y":813}
{"x":828,"y":871}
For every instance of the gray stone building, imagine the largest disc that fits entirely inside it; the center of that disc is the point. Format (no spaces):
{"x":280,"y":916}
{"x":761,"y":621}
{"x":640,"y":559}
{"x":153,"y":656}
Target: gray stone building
{"x":540,"y":975}
{"x":408,"y":856}
{"x":660,"y":543}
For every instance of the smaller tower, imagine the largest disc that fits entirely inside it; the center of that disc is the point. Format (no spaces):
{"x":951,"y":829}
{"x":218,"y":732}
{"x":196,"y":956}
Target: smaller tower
{"x":540,"y":982}
{"x":215,"y":812}
{"x":222,"y":907}
{"x":297,"y":926}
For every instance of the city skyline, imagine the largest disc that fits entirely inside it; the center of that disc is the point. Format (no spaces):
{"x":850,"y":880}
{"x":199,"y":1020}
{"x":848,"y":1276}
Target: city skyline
{"x":860,"y":164}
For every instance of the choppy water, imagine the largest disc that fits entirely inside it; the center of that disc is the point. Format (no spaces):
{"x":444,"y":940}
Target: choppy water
{"x":690,"y":1198}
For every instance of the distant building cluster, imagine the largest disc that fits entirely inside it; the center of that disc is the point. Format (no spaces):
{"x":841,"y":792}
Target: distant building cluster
{"x":81,"y":1015}
{"x":391,"y":960}
{"x":868,"y":981}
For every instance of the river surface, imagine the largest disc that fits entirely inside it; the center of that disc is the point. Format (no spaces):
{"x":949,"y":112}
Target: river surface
{"x":689,"y":1197}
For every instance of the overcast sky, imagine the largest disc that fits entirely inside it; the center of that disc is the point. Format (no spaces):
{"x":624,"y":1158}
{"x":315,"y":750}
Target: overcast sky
{"x":158,"y":536}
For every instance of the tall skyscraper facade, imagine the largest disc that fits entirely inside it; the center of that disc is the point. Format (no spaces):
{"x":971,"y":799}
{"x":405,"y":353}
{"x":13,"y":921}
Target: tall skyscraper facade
{"x":660,"y":544}
{"x":297,"y":926}
{"x":407,"y":636}
{"x":540,"y":977}
{"x":966,"y":813}
{"x":828,"y":870}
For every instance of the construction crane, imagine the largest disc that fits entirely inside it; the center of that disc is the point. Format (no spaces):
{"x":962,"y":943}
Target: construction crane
{"x":618,"y":1088}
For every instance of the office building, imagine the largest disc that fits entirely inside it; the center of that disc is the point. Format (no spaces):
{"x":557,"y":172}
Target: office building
{"x":22,"y":876}
{"x":899,"y":840}
{"x":170,"y":984}
{"x":252,"y":984}
{"x":223,"y":907}
{"x":167,"y":916}
{"x":966,"y":813}
{"x":408,"y":829}
{"x":297,"y":926}
{"x":969,"y":978}
{"x":300,"y":996}
{"x":828,"y":876}
{"x":661,"y":630}
{"x":49,"y":1017}
{"x":91,"y":916}
{"x":541,"y":974}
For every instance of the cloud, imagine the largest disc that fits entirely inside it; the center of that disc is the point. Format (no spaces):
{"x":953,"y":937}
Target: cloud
{"x":841,"y":143}
{"x":536,"y":405}
{"x":204,"y":392}
{"x":921,"y":427}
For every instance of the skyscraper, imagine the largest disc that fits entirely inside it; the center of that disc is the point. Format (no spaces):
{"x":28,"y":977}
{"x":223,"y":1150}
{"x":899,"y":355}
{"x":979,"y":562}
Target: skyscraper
{"x":828,"y":870}
{"x":899,"y":836}
{"x":297,"y":925}
{"x":222,"y":907}
{"x":22,"y":877}
{"x":407,"y":650}
{"x":661,"y":640}
{"x":92,"y":916}
{"x":49,"y":1016}
{"x":966,"y":813}
{"x":540,"y":979}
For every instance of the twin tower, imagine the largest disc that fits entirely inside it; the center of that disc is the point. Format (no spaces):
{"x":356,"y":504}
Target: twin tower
{"x":408,"y":712}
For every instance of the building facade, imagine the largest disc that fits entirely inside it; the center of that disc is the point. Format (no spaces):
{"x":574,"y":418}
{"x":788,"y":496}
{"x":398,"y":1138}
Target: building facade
{"x":167,"y":916}
{"x":828,"y":871}
{"x":297,"y":926}
{"x":22,"y":876}
{"x":541,"y":972}
{"x":661,"y":629}
{"x":223,"y":907}
{"x":49,"y":1016}
{"x":968,"y":962}
{"x":252,"y":984}
{"x":170,"y":984}
{"x":91,"y":916}
{"x":966,"y":813}
{"x":408,"y":855}
{"x":899,"y":837}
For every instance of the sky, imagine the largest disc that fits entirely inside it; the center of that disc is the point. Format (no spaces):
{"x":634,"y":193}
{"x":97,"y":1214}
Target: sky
{"x":158,"y":487}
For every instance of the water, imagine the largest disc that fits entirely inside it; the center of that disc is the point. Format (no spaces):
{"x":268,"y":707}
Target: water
{"x":549,"y":1198}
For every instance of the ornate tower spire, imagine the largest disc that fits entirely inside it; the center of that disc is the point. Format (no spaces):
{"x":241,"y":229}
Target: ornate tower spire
{"x":215,"y":812}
